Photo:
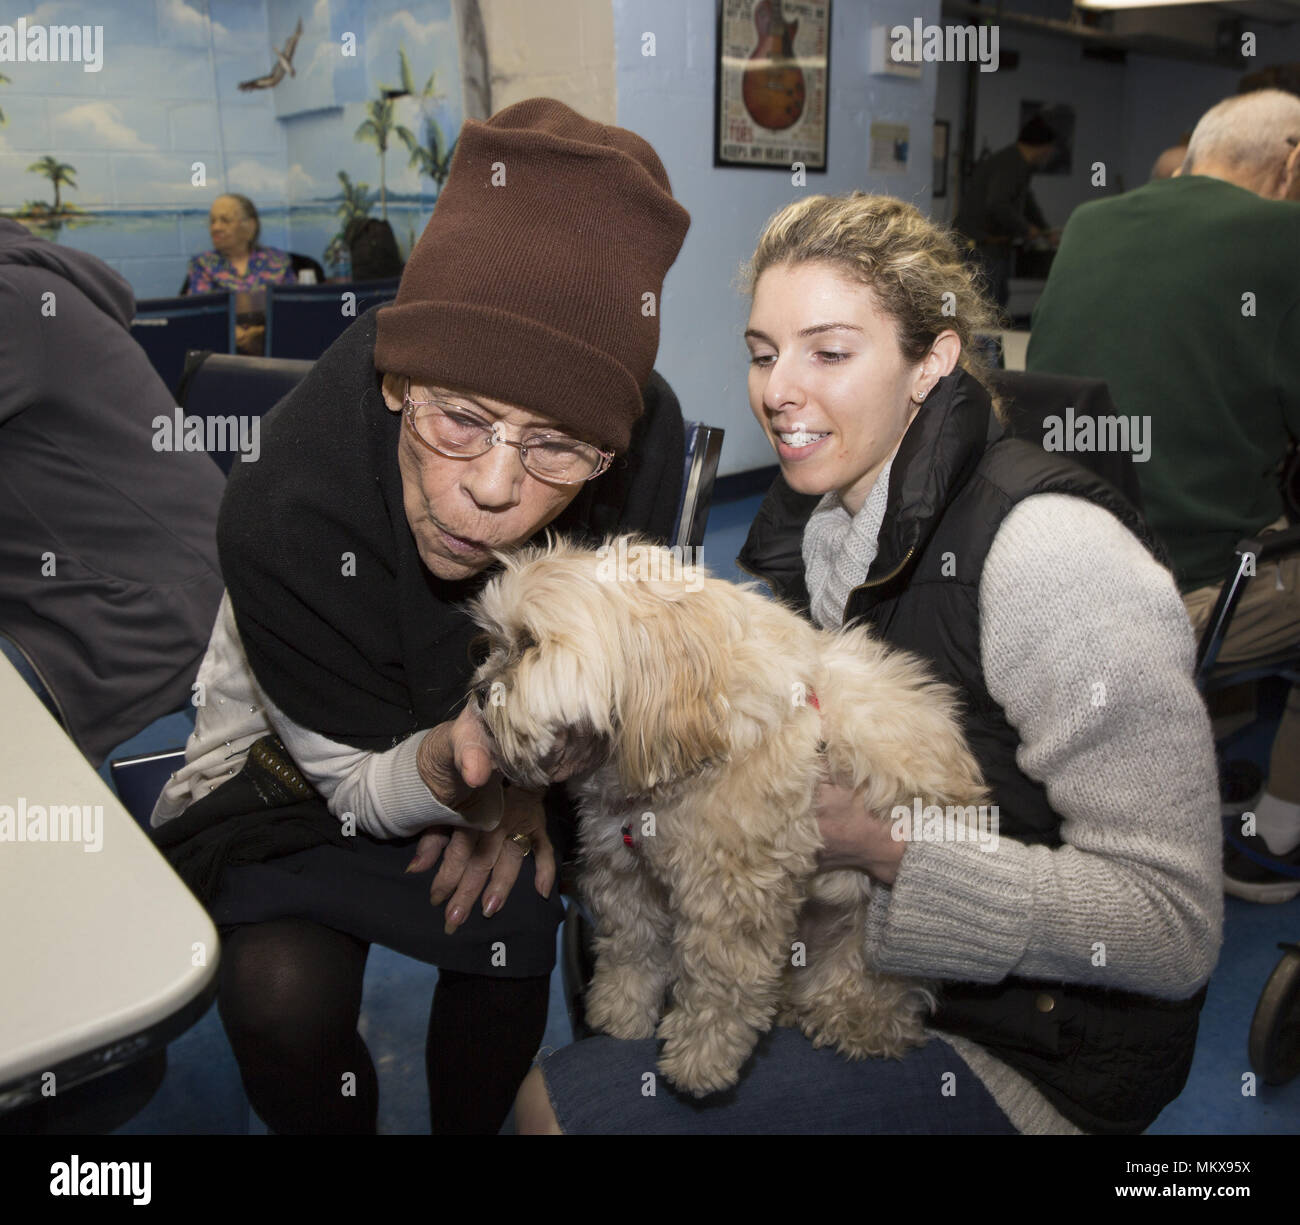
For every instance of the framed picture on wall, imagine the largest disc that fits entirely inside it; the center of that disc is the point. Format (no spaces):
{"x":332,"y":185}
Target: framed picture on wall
{"x":772,"y":83}
{"x":940,"y":158}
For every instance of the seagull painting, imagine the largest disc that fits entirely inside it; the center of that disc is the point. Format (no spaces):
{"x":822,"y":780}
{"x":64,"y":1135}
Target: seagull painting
{"x":283,"y":64}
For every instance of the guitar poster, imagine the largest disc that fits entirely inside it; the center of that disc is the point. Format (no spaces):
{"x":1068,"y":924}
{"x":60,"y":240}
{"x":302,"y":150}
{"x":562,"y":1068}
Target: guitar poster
{"x":773,"y":82}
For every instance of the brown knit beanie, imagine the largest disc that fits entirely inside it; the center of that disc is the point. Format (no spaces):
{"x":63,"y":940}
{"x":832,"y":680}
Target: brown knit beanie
{"x":528,"y":284}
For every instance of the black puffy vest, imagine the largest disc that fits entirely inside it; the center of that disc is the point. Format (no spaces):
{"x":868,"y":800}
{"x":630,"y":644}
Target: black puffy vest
{"x":1109,"y":1061}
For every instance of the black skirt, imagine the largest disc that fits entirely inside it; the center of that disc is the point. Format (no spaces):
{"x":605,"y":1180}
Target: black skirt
{"x":264,"y":846}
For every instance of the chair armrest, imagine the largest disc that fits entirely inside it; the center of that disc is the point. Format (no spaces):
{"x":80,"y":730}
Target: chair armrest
{"x":1269,"y":546}
{"x":1251,"y":551}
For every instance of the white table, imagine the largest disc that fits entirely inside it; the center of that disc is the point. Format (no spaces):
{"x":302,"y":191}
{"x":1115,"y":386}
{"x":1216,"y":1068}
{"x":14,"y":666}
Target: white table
{"x":105,"y":955}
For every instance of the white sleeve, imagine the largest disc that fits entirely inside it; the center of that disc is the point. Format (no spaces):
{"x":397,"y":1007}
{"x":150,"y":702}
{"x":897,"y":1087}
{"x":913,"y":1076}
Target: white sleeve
{"x":383,"y":791}
{"x":1087,"y":647}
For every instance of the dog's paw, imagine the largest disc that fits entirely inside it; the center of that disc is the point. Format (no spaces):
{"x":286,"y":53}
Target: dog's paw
{"x":691,"y":1070}
{"x":867,"y":1033}
{"x":703,"y":1055}
{"x":613,"y":1010}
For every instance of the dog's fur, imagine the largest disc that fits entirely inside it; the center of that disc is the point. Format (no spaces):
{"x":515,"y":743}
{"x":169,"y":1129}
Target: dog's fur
{"x":690,"y":702}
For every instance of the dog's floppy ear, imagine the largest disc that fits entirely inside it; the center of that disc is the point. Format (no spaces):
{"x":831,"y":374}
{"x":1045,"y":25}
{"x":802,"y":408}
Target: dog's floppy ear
{"x":673,"y":713}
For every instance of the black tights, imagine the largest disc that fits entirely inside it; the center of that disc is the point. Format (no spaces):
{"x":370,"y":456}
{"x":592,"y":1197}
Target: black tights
{"x":290,"y":999}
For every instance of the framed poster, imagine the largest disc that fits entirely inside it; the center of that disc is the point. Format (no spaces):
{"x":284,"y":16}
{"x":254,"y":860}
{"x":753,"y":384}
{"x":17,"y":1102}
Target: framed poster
{"x":940,"y":182}
{"x":772,"y":83}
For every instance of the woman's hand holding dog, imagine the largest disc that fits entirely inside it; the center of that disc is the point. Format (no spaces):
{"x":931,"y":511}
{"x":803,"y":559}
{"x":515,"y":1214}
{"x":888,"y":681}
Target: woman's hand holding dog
{"x":855,"y":838}
{"x":454,"y":760}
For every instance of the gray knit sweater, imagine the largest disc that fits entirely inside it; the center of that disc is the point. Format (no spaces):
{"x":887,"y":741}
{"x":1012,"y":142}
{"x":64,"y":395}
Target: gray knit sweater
{"x":1085,"y":643}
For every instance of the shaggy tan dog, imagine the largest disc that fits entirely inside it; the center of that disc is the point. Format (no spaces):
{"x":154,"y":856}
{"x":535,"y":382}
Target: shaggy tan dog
{"x":710,"y":714}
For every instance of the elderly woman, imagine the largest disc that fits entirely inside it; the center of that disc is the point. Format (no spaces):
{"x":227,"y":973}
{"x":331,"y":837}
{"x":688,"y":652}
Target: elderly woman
{"x":237,"y":260}
{"x":329,"y":767}
{"x":240,"y":264}
{"x":1072,"y":959}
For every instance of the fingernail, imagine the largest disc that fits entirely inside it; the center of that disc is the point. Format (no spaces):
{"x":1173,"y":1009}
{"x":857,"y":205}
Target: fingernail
{"x":455,"y":915}
{"x":491,"y":906}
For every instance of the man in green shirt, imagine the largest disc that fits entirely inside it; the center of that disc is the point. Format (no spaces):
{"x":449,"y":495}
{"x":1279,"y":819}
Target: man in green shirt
{"x":1184,"y":295}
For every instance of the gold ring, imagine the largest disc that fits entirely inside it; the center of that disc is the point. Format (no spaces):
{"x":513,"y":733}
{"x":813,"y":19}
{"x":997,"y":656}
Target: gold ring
{"x":523,"y":842}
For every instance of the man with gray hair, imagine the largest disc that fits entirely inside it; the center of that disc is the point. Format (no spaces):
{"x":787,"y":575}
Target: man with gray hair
{"x":1183,"y":296}
{"x":1251,"y":140}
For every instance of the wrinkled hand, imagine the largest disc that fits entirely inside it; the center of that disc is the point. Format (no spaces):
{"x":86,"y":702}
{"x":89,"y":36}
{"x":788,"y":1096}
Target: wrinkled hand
{"x":853,"y":837}
{"x":456,"y":758}
{"x":472,"y":859}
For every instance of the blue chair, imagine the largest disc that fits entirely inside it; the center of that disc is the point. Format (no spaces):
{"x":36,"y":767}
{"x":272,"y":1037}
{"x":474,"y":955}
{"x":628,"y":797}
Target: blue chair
{"x":302,"y":321}
{"x":168,"y":328}
{"x":214,"y":385}
{"x":139,"y":780}
{"x":1032,"y":397}
{"x":1274,"y":1041}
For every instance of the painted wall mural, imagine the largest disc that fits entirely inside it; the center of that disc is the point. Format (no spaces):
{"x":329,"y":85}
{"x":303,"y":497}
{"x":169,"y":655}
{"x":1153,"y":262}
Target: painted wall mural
{"x":319,"y":110}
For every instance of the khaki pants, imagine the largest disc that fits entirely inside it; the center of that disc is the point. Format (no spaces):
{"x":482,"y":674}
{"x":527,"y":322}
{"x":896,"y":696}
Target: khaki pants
{"x":1267,"y":620}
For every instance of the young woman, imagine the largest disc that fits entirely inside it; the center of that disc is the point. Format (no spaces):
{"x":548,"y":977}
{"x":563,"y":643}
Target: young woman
{"x":1073,"y":957}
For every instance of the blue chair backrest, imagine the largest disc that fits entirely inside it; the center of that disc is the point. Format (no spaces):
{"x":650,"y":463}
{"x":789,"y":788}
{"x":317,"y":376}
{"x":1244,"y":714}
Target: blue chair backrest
{"x":1032,"y":399}
{"x":302,"y":321}
{"x":168,"y":328}
{"x":221,"y":388}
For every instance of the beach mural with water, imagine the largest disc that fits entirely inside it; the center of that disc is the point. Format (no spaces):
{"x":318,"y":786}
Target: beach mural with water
{"x":318,"y":110}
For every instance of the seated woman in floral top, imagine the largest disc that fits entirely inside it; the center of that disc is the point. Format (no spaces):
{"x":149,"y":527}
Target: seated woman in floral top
{"x":238,"y":263}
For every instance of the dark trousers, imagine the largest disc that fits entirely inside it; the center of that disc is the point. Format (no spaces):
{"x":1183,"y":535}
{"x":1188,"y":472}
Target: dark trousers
{"x":993,"y":262}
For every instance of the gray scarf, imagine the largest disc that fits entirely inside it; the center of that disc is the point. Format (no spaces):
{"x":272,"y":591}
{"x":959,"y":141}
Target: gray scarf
{"x":838,"y":549}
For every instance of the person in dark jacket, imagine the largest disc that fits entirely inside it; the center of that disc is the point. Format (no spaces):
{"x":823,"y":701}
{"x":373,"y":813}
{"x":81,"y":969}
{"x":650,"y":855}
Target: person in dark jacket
{"x":999,"y":208}
{"x":109,"y":577}
{"x":330,"y":770}
{"x":1073,"y":954}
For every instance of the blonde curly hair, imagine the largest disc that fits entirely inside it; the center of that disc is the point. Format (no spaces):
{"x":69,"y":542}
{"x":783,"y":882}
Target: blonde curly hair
{"x":913,"y":266}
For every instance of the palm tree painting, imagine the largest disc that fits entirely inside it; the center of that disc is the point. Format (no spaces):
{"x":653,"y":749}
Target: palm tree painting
{"x":377,"y":127}
{"x":357,"y":201}
{"x":58,"y":173}
{"x":432,"y":156}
